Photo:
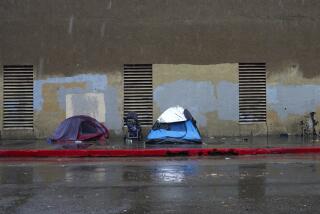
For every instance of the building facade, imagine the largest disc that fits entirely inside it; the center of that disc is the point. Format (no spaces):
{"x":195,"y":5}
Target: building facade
{"x":241,"y":67}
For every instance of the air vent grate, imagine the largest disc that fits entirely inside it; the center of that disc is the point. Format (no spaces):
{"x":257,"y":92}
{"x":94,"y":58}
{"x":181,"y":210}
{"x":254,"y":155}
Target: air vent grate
{"x":18,"y":96}
{"x":252,"y":92}
{"x":138,"y":91}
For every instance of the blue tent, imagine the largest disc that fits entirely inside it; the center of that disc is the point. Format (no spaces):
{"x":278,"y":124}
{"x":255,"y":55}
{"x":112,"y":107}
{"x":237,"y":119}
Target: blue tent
{"x":175,"y":125}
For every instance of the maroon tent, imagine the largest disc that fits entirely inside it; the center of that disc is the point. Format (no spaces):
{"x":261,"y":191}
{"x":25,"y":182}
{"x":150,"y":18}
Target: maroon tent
{"x":79,"y":128}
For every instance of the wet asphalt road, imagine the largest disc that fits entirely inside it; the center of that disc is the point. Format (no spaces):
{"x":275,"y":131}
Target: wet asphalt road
{"x":246,"y":184}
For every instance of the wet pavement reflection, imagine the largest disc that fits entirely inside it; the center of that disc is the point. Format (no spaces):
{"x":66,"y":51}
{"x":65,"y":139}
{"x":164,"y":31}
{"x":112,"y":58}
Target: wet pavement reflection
{"x":264,"y":184}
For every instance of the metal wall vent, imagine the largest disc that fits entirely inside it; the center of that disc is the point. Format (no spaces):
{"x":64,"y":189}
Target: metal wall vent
{"x":138,"y":92}
{"x":252,"y":92}
{"x":18,"y":96}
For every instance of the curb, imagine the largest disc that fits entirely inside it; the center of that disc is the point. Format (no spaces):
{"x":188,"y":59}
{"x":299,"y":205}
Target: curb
{"x":169,"y":152}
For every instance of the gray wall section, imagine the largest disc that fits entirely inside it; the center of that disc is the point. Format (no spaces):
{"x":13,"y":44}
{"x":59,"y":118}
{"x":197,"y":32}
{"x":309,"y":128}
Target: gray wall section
{"x":65,"y":36}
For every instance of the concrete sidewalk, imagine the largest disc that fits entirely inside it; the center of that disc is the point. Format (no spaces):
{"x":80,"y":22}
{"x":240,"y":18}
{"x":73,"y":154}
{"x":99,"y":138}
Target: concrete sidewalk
{"x":217,"y":142}
{"x":210,"y":146}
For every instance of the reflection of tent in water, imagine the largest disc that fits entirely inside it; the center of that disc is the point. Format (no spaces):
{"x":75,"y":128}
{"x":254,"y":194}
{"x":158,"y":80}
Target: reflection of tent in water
{"x":79,"y":128}
{"x":175,"y":125}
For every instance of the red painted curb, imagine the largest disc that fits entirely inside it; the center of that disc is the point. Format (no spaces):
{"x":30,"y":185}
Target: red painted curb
{"x":158,"y":152}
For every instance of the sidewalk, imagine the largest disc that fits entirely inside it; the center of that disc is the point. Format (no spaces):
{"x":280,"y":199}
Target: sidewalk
{"x":210,"y":146}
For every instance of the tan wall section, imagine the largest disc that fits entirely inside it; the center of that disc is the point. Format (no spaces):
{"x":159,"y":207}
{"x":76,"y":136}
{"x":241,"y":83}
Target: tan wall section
{"x":203,"y":89}
{"x":164,"y":73}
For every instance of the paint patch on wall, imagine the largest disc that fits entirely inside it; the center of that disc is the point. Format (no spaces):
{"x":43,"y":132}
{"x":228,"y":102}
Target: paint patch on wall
{"x":93,"y":82}
{"x":90,"y":104}
{"x":90,"y":83}
{"x":228,"y":101}
{"x":293,"y":99}
{"x":200,"y":97}
{"x":197,"y":97}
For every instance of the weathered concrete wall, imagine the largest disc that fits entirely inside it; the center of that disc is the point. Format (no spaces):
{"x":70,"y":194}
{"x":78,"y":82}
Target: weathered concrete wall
{"x":79,"y":47}
{"x":210,"y":92}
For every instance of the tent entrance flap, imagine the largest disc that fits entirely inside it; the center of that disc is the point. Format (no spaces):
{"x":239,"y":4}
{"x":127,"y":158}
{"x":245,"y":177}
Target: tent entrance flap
{"x":87,"y":128}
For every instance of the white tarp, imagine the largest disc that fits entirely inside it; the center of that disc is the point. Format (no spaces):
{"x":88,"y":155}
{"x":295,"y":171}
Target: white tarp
{"x":172,"y":115}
